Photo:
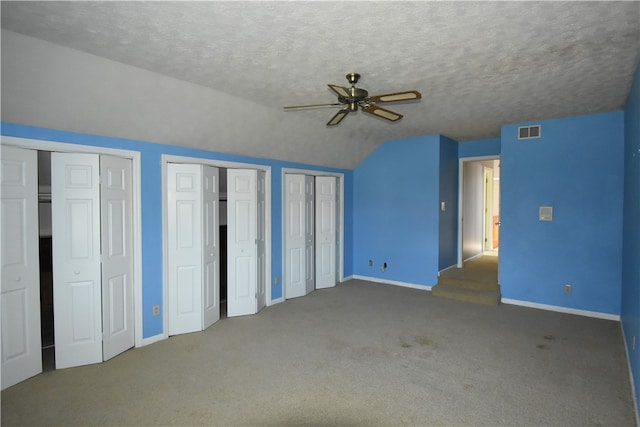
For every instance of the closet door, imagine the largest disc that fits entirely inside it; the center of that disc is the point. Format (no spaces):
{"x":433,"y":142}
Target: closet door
{"x":242,"y":242}
{"x":184,"y":215}
{"x":211,"y":246}
{"x":20,"y":292}
{"x":309,"y":234}
{"x":77,"y":291}
{"x":326,"y":232}
{"x":295,"y":236}
{"x":116,"y":198}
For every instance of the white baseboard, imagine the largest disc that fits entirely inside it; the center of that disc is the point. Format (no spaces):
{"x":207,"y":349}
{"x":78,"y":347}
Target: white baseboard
{"x":276,"y":301}
{"x":153,"y":339}
{"x":392,"y":282}
{"x":447,"y":268}
{"x":344,"y":279}
{"x":586,"y":313}
{"x":475,"y":256}
{"x":633,"y":385}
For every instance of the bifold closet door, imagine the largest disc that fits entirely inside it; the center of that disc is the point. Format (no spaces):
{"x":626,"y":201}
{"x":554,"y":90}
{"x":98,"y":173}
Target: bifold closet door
{"x":309,"y":235}
{"x":326,"y":232}
{"x":77,"y":289}
{"x":116,"y":199}
{"x":193,"y":252}
{"x":92,"y":214}
{"x":299,"y":232}
{"x":245,"y":241}
{"x":20,"y":292}
{"x":210,"y":246}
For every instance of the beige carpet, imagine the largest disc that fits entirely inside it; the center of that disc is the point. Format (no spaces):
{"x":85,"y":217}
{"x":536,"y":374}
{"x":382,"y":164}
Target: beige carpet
{"x":360,"y":354}
{"x":476,"y":282}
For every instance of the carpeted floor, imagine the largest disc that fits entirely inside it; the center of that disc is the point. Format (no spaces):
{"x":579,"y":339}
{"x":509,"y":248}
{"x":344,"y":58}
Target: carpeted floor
{"x":476,"y":282}
{"x":483,"y":268}
{"x":359,"y":354}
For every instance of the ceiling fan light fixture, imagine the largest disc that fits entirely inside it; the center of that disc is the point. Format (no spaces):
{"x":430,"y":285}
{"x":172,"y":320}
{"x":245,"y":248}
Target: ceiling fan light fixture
{"x":352,"y":98}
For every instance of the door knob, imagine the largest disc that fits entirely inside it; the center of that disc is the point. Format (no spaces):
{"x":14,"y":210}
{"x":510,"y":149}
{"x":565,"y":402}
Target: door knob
{"x":76,"y":272}
{"x":18,"y":278}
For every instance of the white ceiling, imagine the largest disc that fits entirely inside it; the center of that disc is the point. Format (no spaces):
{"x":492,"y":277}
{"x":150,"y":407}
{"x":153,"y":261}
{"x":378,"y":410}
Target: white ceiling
{"x":478,"y":65}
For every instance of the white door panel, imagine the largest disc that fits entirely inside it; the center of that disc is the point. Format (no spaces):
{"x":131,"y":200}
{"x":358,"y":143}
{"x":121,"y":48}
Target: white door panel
{"x":295,"y":236}
{"x":242,"y":242}
{"x":184,"y":214}
{"x":20,"y":294}
{"x":77,"y":291}
{"x":309,"y":201}
{"x":326,"y":242}
{"x":210,"y":249}
{"x":117,"y":255}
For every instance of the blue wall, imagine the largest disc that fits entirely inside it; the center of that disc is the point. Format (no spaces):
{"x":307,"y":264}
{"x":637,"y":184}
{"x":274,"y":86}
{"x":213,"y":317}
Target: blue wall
{"x":479,"y":148}
{"x":448,"y":221}
{"x":151,"y":191}
{"x":575,"y":167}
{"x":396,"y":211}
{"x":631,"y":229}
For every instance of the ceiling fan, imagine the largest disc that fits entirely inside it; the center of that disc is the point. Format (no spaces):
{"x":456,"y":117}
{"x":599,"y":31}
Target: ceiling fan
{"x":350,"y":98}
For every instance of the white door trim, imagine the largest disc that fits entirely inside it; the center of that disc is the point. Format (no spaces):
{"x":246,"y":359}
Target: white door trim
{"x":461,"y":163}
{"x":340,"y":248}
{"x":168,"y":158}
{"x":135,"y":156}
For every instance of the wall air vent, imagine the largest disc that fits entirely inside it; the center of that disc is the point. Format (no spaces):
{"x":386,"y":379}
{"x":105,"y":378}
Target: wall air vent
{"x":529,"y":132}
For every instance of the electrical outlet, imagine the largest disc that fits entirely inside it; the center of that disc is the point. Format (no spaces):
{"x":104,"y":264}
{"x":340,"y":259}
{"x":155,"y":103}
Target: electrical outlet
{"x":370,"y":263}
{"x":156,"y":310}
{"x":567,"y":289}
{"x":276,"y":280}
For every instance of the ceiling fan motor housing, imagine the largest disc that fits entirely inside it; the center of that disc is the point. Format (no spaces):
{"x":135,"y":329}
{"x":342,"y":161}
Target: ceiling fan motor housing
{"x":356,"y":96}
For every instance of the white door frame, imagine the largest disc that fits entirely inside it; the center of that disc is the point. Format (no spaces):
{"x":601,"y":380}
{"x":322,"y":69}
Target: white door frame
{"x":135,"y":156}
{"x":340,"y":248}
{"x":168,"y":158}
{"x":461,"y":163}
{"x":487,"y":223}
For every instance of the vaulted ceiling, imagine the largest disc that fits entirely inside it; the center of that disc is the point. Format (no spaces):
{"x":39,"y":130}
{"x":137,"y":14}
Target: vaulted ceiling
{"x":478,"y":65}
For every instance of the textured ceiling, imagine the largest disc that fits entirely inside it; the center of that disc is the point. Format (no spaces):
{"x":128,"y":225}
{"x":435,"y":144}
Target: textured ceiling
{"x":478,"y":65}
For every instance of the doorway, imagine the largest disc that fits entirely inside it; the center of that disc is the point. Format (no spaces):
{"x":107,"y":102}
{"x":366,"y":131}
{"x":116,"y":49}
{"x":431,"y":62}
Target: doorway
{"x":312,"y":231}
{"x":46,"y":261}
{"x":238,"y":229}
{"x":479,"y":207}
{"x":42,"y":330}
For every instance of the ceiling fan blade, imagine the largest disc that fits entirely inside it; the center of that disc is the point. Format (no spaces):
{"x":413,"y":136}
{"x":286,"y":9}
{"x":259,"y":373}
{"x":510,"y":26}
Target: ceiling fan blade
{"x":342,"y":92}
{"x":294,"y":107}
{"x":381,"y":112}
{"x":396,"y":96}
{"x":335,"y":120}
